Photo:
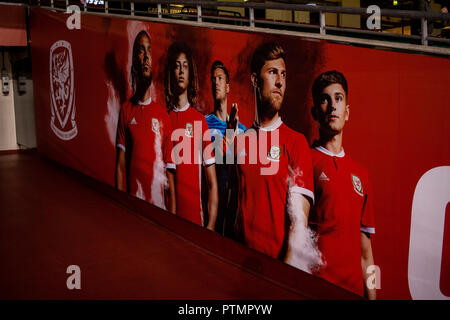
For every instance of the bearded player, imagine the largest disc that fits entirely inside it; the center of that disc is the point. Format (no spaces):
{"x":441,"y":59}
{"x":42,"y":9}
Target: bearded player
{"x":342,"y":214}
{"x":283,"y":170}
{"x":143,"y":163}
{"x":181,"y":87}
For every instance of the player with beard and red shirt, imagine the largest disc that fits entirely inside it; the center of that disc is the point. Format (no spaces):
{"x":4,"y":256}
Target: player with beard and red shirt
{"x":342,"y":215}
{"x":181,"y":92}
{"x":283,"y":172}
{"x":143,"y":164}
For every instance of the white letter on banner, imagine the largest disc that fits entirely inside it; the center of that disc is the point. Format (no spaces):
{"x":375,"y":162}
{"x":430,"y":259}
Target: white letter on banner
{"x":430,"y":200}
{"x":74,"y":20}
{"x":74,"y":281}
{"x":374,"y":21}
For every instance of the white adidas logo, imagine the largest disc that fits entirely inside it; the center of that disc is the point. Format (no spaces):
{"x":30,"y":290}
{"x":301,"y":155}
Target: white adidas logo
{"x":323,"y":177}
{"x":133,"y":121}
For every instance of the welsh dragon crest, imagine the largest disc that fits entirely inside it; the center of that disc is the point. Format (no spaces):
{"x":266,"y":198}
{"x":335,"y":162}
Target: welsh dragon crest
{"x":62,"y":90}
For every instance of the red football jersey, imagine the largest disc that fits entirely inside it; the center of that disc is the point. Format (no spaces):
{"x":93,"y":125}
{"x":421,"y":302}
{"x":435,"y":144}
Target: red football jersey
{"x":143,"y":133}
{"x":193,"y":138}
{"x":263,"y":191}
{"x":343,"y":208}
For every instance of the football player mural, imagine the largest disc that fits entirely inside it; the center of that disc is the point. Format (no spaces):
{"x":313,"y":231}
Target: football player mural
{"x":343,"y":212}
{"x":132,"y":115}
{"x":143,"y":162}
{"x":181,"y":87}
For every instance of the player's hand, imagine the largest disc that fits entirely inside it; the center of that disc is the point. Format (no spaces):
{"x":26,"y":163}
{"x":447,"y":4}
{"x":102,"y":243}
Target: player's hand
{"x":232,"y":123}
{"x":233,"y":117}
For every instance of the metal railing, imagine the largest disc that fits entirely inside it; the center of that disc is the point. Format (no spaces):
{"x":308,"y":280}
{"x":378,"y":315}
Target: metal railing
{"x":210,"y":11}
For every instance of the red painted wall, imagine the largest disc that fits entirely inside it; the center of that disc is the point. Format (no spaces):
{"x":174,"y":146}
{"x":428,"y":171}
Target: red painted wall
{"x":13,"y":31}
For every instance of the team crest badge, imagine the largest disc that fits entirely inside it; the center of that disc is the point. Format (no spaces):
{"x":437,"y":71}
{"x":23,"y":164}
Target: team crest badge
{"x":357,"y":185}
{"x":62,"y":93}
{"x":155,"y":125}
{"x":189,"y":131}
{"x":274,"y":153}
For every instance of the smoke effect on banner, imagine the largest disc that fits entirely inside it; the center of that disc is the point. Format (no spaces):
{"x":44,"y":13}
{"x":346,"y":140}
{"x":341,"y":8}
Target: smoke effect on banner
{"x":397,"y":130}
{"x":159,"y":180}
{"x":112,"y":116}
{"x":307,"y":256}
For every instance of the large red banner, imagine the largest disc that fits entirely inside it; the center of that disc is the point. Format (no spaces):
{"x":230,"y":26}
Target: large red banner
{"x":397,"y":127}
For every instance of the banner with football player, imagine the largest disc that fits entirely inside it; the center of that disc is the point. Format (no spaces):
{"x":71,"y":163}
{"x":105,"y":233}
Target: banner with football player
{"x":243,"y":133}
